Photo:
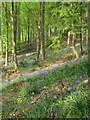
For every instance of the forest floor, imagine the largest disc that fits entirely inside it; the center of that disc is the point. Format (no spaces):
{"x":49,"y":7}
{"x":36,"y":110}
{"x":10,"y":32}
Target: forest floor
{"x":47,"y":89}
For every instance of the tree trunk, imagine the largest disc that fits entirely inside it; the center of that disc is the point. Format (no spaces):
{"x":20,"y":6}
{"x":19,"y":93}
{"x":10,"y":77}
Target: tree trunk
{"x":28,"y":32}
{"x":89,"y":41}
{"x":81,"y":31}
{"x":19,"y":28}
{"x":42,"y":31}
{"x":68,"y":41}
{"x":13,"y":36}
{"x":38,"y":38}
{"x":74,"y":48}
{"x":6,"y":15}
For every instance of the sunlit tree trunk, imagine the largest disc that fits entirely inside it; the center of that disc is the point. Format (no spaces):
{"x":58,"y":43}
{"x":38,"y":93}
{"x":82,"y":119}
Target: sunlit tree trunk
{"x":68,"y":40}
{"x":74,"y":48}
{"x":42,"y":31}
{"x":6,"y":15}
{"x":13,"y":37}
{"x":38,"y":38}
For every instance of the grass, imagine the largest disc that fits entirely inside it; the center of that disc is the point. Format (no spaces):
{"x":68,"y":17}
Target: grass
{"x":43,"y":96}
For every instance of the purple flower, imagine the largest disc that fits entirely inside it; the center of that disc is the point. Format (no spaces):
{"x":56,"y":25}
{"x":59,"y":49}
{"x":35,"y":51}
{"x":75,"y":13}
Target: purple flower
{"x":6,"y":81}
{"x":51,"y":92}
{"x":69,"y":88}
{"x":44,"y":87}
{"x":78,"y":81}
{"x":40,"y":95}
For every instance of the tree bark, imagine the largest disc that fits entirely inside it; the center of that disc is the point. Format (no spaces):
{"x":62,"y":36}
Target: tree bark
{"x":74,"y":48}
{"x":38,"y":38}
{"x":28,"y":32}
{"x":13,"y":37}
{"x":6,"y":15}
{"x":42,"y":31}
{"x":68,"y":41}
{"x":18,"y":26}
{"x":89,"y":41}
{"x":81,"y":31}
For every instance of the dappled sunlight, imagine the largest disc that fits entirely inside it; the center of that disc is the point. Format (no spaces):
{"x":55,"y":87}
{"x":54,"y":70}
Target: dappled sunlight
{"x":44,"y":60}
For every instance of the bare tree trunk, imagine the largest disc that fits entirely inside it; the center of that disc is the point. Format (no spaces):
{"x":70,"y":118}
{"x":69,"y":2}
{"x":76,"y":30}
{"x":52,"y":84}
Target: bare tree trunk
{"x":13,"y":37}
{"x":89,"y":41}
{"x":1,"y":41}
{"x":28,"y":31}
{"x":81,"y":31}
{"x":42,"y":31}
{"x":74,"y":48}
{"x":6,"y":15}
{"x":19,"y":28}
{"x":38,"y":39}
{"x":68,"y":40}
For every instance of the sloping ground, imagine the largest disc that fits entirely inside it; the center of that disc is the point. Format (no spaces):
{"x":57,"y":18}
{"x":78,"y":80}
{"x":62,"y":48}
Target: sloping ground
{"x":29,"y":74}
{"x":56,"y":93}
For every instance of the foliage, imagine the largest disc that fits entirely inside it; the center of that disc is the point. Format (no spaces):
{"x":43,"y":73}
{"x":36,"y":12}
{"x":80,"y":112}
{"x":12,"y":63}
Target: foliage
{"x":40,"y":94}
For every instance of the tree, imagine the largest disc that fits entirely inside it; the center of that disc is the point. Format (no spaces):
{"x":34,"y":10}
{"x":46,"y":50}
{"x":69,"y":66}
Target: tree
{"x":42,"y":31}
{"x":13,"y":37}
{"x":6,"y":15}
{"x":89,"y":40}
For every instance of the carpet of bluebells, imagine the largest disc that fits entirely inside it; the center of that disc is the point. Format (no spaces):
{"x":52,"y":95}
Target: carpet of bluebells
{"x":60,"y":92}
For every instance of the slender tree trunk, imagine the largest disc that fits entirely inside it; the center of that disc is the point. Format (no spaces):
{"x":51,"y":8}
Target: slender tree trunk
{"x":89,"y":42}
{"x":19,"y":28}
{"x":1,"y":40}
{"x":38,"y":38}
{"x":15,"y":24}
{"x":22,"y":36}
{"x":28,"y":32}
{"x":6,"y":61}
{"x":68,"y":40}
{"x":42,"y":31}
{"x":13,"y":37}
{"x":81,"y":31}
{"x":74,"y":48}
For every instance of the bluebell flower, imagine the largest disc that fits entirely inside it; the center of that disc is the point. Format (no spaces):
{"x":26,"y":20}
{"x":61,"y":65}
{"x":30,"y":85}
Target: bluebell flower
{"x":51,"y":92}
{"x":78,"y":81}
{"x":69,"y":88}
{"x":44,"y":87}
{"x":71,"y":84}
{"x":40,"y":95}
